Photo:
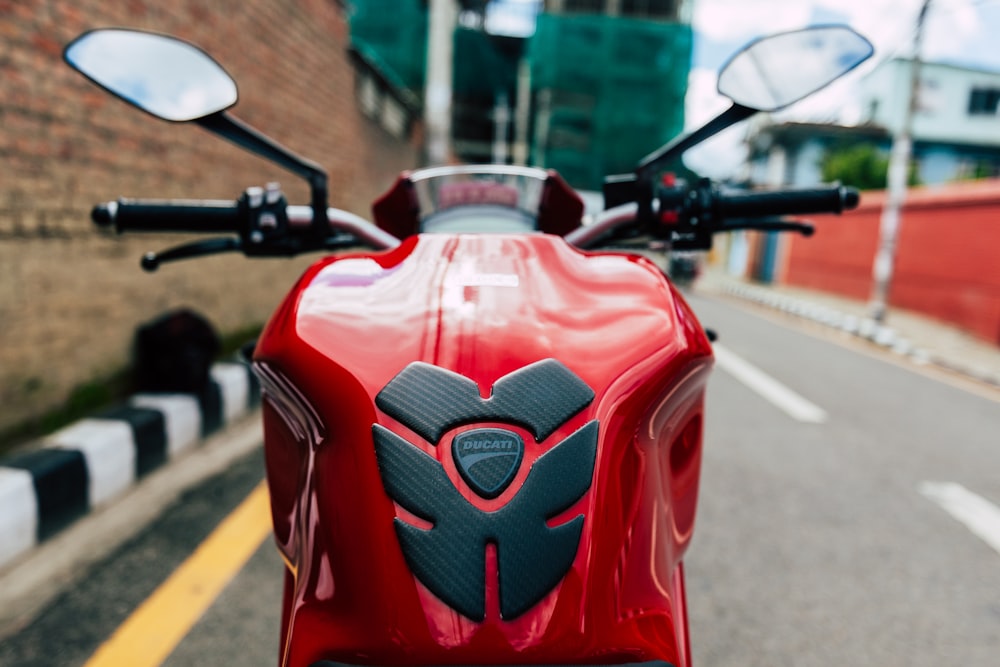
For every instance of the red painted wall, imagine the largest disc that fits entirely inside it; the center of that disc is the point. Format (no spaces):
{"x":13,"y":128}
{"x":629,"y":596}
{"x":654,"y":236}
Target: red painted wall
{"x":947,"y":258}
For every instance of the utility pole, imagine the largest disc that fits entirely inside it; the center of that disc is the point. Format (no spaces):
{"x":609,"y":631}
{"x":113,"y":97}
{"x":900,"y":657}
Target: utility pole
{"x":899,"y":168}
{"x":442,"y":17}
{"x":501,"y":121}
{"x":522,"y":112}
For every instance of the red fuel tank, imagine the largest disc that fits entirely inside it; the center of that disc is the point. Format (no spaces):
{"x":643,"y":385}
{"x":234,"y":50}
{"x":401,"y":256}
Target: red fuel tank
{"x":483,"y":449}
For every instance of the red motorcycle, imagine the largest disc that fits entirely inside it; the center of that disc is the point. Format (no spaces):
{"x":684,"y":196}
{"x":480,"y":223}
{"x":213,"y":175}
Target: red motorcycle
{"x":483,"y":436}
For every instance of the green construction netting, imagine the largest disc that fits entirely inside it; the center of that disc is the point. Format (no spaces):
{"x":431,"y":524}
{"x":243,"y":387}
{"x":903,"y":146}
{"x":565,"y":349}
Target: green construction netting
{"x":481,"y":69}
{"x":392,"y":35}
{"x":615,"y":87}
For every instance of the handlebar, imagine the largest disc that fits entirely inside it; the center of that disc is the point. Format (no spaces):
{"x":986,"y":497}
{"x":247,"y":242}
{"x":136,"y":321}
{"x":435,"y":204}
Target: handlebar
{"x":259,"y":224}
{"x":832,"y":199}
{"x":224,"y":216}
{"x":688,"y":216}
{"x":706,"y":203}
{"x":161,"y":215}
{"x":266,"y":226}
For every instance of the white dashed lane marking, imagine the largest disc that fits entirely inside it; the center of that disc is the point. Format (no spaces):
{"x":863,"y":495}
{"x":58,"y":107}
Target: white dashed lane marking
{"x":977,"y":514}
{"x":768,"y":388}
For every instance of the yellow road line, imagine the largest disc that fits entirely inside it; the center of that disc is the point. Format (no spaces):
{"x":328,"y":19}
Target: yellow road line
{"x":152,"y":632}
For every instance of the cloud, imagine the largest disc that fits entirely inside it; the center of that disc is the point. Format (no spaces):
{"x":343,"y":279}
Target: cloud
{"x":702,"y":101}
{"x":720,"y":156}
{"x":956,"y":30}
{"x":740,"y":21}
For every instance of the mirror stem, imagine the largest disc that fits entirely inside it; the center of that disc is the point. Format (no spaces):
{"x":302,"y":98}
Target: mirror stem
{"x":247,"y":137}
{"x":654,"y":161}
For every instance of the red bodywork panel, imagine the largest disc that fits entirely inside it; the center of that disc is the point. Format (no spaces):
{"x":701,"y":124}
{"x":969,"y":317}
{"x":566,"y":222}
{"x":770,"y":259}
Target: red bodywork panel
{"x":482,"y":306}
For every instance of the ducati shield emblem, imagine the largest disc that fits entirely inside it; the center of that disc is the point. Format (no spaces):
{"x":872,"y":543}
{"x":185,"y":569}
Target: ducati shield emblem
{"x":488,"y":459}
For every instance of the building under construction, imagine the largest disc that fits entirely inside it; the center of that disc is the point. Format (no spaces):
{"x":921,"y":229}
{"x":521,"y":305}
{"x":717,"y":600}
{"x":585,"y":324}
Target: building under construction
{"x":587,"y":87}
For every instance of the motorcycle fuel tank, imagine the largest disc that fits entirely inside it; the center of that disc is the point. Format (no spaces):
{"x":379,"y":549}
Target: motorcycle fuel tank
{"x":483,"y":449}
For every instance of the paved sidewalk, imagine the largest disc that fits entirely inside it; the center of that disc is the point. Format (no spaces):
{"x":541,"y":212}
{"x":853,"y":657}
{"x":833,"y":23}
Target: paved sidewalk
{"x":921,"y":338}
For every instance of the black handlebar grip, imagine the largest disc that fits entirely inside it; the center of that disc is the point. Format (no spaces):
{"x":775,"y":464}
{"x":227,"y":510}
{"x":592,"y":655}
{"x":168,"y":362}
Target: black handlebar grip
{"x":103,"y":215}
{"x":178,"y":215}
{"x":832,"y":199}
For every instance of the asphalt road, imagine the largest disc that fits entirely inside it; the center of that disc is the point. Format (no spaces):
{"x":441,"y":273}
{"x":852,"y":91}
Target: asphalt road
{"x":814,"y":543}
{"x":818,"y":542}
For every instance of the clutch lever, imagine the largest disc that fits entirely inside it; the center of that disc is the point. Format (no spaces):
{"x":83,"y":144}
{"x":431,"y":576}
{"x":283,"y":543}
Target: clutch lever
{"x":151,"y":260}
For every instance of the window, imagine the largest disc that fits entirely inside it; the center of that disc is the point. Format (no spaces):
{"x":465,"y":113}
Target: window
{"x":984,"y":101}
{"x":659,"y":9}
{"x":586,"y":6}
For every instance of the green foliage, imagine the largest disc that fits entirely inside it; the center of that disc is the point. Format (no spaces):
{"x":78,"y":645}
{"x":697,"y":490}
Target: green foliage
{"x":983,"y":169}
{"x":862,"y":166}
{"x":96,"y":395}
{"x":83,"y":400}
{"x":232,"y":342}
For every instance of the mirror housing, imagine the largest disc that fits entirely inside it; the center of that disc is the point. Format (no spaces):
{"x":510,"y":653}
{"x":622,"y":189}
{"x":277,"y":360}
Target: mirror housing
{"x":808,"y":59}
{"x":164,"y":76}
{"x":773,"y":72}
{"x":176,"y":81}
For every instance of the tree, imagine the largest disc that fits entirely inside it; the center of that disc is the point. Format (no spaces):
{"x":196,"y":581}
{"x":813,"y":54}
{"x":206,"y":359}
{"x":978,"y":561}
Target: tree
{"x":862,"y":166}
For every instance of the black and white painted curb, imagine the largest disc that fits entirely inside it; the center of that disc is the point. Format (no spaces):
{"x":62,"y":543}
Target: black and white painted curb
{"x":93,"y":461}
{"x":866,"y":328}
{"x":862,"y":327}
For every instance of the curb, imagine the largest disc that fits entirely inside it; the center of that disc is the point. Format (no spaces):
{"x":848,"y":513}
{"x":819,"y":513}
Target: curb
{"x":862,"y":327}
{"x":91,"y":462}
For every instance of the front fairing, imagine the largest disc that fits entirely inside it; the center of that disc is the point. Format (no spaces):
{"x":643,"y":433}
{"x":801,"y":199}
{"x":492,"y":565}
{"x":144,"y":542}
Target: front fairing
{"x":350,"y":521}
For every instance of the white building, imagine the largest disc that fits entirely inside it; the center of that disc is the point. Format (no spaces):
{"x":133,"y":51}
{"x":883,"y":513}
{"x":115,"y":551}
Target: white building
{"x":956,"y":127}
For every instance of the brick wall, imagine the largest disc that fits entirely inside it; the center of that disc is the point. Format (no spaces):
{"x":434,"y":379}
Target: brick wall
{"x":947,"y":256}
{"x":70,"y":297}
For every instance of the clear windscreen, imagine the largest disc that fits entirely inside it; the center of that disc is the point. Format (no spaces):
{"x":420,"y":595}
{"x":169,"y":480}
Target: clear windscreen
{"x":479,"y":198}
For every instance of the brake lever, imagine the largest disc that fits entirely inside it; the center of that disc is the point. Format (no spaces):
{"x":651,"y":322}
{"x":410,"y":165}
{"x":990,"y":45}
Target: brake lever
{"x":803,"y":227}
{"x":151,"y":260}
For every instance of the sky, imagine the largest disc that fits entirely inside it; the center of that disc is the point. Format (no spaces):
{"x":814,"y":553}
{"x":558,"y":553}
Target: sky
{"x":965,"y":32}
